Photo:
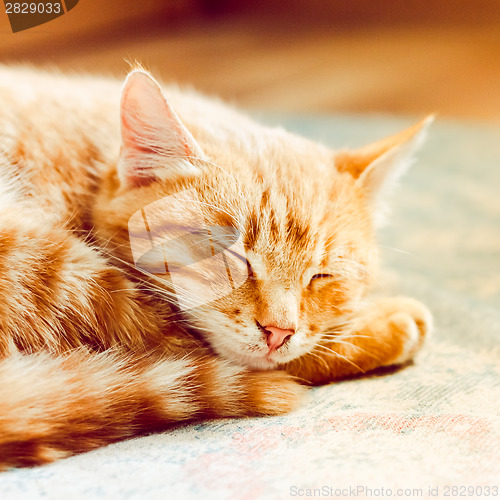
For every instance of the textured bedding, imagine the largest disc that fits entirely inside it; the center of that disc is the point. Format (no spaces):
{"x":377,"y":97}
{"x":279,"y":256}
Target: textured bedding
{"x":431,"y":429}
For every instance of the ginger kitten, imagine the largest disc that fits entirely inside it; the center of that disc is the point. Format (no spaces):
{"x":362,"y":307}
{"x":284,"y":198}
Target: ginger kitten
{"x":169,"y":260}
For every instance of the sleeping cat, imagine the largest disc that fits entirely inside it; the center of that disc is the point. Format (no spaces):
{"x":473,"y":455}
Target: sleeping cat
{"x":164,"y":259}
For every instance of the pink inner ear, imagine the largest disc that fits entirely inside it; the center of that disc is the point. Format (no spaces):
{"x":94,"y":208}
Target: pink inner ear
{"x":149,"y":124}
{"x":151,"y":131}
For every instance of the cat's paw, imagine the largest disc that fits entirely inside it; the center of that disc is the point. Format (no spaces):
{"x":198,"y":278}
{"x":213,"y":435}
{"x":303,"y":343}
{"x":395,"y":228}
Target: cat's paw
{"x":411,"y":322}
{"x":274,"y":393}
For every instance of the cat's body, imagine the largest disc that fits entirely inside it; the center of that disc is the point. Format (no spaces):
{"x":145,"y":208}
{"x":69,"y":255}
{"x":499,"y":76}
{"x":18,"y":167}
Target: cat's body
{"x":94,"y":350}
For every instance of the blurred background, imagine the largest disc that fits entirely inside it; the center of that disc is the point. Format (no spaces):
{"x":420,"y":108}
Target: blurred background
{"x":389,"y":56}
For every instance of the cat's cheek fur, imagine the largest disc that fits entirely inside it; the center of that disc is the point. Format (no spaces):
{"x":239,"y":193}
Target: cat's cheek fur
{"x":328,"y":309}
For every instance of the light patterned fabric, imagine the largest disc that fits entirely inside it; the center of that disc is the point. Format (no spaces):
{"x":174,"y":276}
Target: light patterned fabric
{"x":430,"y":430}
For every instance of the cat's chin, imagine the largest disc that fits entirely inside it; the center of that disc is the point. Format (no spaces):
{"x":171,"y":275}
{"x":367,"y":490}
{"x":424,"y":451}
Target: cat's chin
{"x":254,"y":361}
{"x":261,"y":363}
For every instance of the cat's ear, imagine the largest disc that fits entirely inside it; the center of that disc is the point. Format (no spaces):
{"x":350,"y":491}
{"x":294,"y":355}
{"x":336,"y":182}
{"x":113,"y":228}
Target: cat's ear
{"x":155,"y":143}
{"x":377,"y":167}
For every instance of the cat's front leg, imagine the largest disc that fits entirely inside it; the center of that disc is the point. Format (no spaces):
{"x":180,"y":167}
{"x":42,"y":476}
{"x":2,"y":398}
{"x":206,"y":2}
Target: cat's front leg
{"x":385,"y":332}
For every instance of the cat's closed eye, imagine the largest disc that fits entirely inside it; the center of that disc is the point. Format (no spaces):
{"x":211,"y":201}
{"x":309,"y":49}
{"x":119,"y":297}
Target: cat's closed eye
{"x":245,"y":261}
{"x":320,"y":276}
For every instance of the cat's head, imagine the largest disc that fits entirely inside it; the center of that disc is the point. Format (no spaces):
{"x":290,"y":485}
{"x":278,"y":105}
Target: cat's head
{"x":264,"y":240}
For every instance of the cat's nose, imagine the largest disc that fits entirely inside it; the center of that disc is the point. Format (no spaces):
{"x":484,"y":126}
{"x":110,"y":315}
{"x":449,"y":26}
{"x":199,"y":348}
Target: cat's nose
{"x":276,"y":337}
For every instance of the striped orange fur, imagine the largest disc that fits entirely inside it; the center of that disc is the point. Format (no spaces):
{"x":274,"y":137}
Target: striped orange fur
{"x":93,"y":347}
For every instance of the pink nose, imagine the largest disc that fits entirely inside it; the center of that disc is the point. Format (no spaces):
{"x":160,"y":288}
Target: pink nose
{"x":276,"y":336}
